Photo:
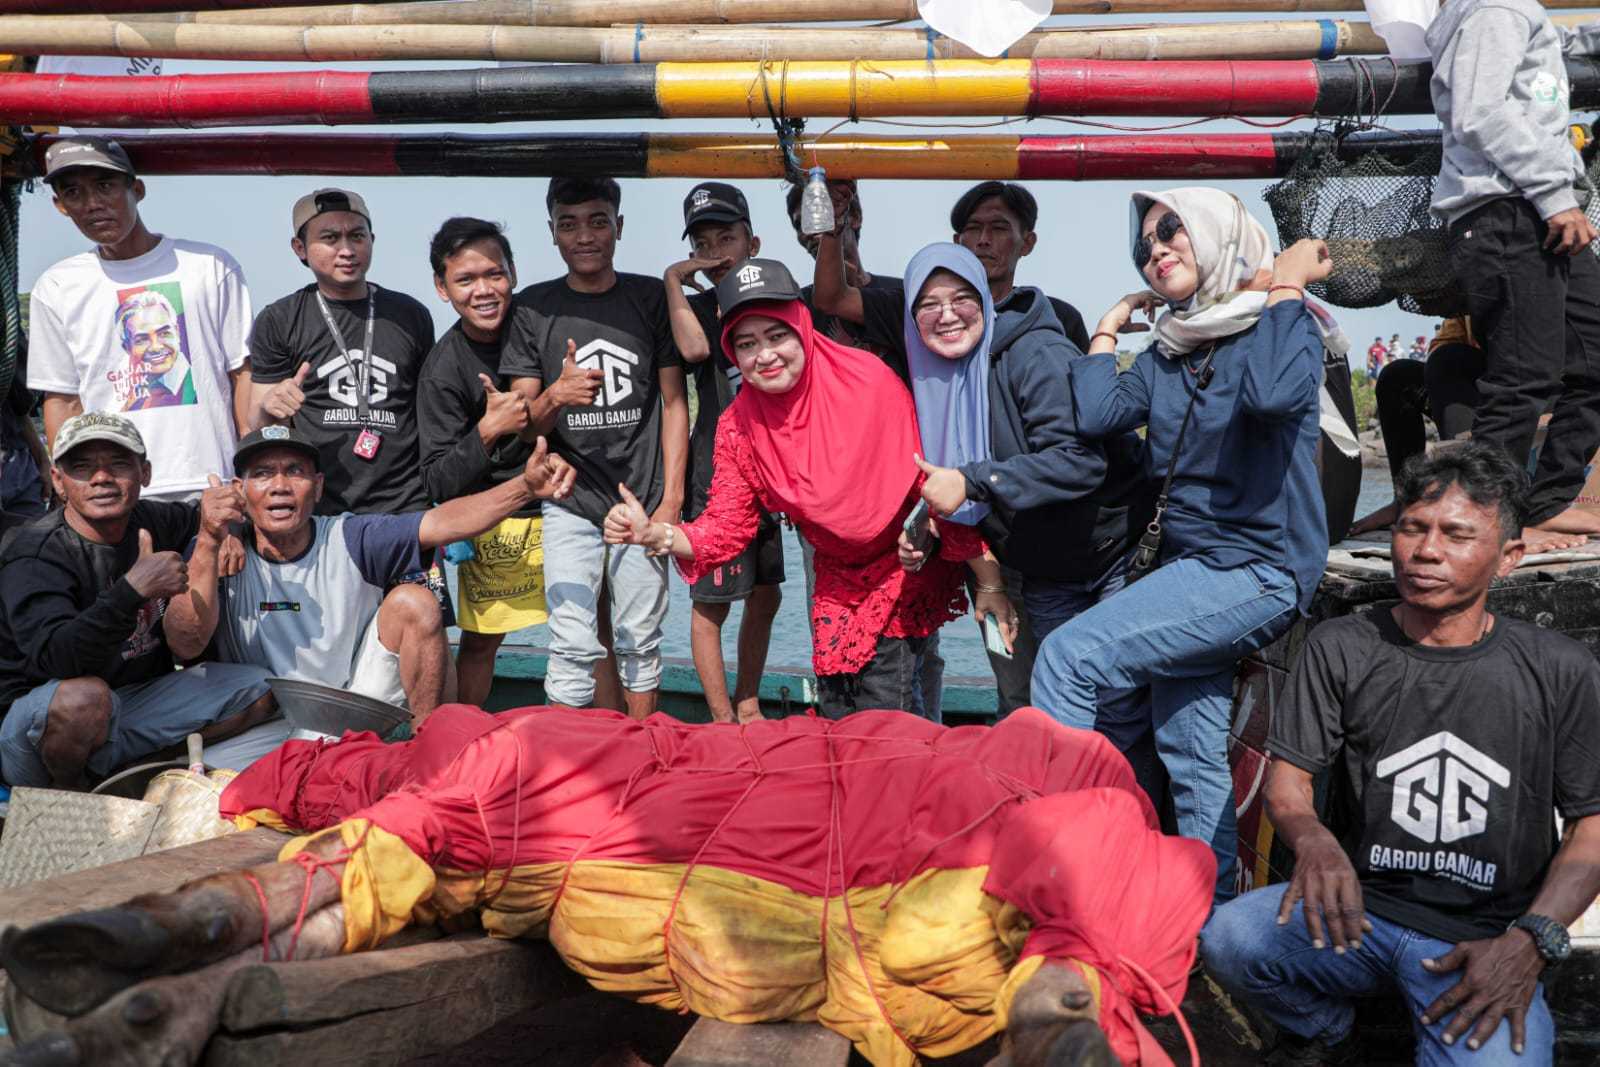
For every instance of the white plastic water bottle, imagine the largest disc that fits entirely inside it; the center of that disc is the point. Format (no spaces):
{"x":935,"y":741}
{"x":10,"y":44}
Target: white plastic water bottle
{"x":816,"y":206}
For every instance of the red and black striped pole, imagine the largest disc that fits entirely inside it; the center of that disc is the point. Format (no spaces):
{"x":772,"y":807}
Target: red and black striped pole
{"x":1064,"y":158}
{"x":1334,"y":88}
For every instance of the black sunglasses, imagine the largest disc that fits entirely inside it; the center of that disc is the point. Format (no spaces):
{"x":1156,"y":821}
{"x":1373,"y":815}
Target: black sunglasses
{"x":1167,"y":227}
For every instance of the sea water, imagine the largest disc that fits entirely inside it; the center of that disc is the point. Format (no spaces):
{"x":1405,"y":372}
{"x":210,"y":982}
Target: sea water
{"x":960,"y":642}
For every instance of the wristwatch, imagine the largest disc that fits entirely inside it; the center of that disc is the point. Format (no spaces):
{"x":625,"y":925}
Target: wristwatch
{"x":1549,"y":936}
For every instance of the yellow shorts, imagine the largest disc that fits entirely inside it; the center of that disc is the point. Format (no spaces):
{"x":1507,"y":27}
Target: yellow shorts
{"x":502,"y":590}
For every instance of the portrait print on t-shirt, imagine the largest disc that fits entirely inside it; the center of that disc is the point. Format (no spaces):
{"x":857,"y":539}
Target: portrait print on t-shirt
{"x":151,"y":328}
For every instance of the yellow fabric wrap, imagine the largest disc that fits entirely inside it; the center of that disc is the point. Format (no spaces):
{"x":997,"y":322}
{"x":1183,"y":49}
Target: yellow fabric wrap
{"x":385,"y":886}
{"x":924,"y":982}
{"x":261,"y":817}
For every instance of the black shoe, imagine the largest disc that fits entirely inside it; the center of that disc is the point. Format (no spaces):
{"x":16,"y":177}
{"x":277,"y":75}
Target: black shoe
{"x":1292,"y":1051}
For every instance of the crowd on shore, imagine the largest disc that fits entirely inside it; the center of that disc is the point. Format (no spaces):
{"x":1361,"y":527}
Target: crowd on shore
{"x":222,"y":495}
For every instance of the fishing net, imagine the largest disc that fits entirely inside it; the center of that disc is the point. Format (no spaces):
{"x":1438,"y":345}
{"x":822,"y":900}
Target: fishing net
{"x":1373,"y":213}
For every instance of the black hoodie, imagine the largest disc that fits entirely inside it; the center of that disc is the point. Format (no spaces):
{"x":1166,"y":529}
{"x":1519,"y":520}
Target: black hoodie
{"x":1063,"y":506}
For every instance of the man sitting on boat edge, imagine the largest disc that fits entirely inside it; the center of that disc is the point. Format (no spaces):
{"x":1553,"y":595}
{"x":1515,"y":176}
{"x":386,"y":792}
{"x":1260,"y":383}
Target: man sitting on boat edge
{"x":86,"y":675}
{"x":1452,"y":735}
{"x":310,"y":601}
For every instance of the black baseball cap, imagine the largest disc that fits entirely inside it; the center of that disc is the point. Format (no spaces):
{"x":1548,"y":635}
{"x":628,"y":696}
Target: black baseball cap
{"x":714,"y":202}
{"x":755,"y":279}
{"x":272,"y":437}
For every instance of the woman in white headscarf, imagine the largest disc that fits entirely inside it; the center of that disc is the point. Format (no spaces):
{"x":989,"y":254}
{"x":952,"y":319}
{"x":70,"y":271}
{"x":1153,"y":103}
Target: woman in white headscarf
{"x":1230,"y":393}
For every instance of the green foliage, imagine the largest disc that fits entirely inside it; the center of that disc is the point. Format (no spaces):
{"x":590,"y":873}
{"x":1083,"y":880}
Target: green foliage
{"x":1366,"y":395}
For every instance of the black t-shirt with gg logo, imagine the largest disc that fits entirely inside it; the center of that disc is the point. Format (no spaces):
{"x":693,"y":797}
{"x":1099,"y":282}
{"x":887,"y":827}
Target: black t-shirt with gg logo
{"x":1447,"y":764}
{"x":625,"y":333}
{"x":291,"y":331}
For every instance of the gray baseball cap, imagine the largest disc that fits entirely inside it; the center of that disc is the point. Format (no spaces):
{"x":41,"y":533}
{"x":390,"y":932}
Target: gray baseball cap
{"x":322,"y":201}
{"x":97,"y":426}
{"x":99,"y":152}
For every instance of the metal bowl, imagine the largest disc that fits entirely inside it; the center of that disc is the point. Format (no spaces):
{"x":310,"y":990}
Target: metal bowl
{"x":320,"y":709}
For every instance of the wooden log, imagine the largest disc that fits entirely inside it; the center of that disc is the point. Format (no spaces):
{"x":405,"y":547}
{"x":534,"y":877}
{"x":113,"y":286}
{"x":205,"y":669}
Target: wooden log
{"x":679,"y":12}
{"x":1300,"y":39}
{"x":270,"y":996}
{"x":718,"y":1044}
{"x":387,"y":1006}
{"x":158,"y":872}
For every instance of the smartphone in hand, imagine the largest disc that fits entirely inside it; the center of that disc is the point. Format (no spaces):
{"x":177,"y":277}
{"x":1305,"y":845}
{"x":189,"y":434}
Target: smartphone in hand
{"x":993,"y":639}
{"x":919,"y":527}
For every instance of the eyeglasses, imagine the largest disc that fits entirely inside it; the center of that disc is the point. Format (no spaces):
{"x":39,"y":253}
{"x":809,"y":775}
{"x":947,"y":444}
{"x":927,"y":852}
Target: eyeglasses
{"x":1167,"y":227}
{"x":964,"y":307}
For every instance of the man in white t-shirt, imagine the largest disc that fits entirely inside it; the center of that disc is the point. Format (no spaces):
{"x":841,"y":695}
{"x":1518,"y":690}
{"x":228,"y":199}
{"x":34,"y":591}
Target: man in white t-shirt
{"x":149,"y":326}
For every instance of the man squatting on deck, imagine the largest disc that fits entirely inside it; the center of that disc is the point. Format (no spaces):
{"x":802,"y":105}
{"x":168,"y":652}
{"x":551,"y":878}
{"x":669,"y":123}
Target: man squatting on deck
{"x":306,"y":549}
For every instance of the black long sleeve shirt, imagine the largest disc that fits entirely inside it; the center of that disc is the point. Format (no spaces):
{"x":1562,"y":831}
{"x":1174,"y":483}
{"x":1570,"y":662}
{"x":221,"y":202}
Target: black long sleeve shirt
{"x":67,"y":611}
{"x":450,"y":401}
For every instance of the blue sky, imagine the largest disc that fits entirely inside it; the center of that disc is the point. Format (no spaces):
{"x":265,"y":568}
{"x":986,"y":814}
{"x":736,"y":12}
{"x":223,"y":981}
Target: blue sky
{"x":1081,"y":255}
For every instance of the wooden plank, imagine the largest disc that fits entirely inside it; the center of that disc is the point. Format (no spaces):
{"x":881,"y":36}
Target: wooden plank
{"x":157,"y":872}
{"x":712,"y":1043}
{"x":387,"y":1006}
{"x":274,"y":995}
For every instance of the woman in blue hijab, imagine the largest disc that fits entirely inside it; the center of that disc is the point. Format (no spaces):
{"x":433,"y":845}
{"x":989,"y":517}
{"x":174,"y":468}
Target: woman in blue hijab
{"x":994,"y":406}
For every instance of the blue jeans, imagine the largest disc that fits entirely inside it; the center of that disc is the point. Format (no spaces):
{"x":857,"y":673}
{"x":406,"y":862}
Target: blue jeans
{"x":1123,"y":715}
{"x":145,"y":717}
{"x":1310,"y":991}
{"x":1181,"y":631}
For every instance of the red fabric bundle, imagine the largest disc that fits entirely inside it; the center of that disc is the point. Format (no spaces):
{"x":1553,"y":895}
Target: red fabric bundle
{"x":810,"y":804}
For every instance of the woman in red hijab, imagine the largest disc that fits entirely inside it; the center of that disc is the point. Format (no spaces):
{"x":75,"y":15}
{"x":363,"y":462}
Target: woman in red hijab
{"x":825,"y":434}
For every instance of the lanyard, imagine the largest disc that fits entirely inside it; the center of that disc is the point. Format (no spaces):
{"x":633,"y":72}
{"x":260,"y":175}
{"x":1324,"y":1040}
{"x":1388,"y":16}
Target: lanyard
{"x":362,"y":373}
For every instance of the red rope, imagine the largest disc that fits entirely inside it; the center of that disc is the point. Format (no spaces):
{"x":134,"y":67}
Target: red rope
{"x":266,"y":925}
{"x":937,"y":845}
{"x":836,"y":830}
{"x":1166,"y":1002}
{"x":516,"y":835}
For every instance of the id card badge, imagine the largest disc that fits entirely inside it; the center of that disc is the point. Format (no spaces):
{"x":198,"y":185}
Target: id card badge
{"x":367,"y":443}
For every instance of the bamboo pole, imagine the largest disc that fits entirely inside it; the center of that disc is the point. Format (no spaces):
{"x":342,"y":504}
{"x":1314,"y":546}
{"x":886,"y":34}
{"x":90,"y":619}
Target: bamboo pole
{"x":734,"y":156}
{"x":604,"y":13}
{"x":1301,"y":39}
{"x":117,"y":7}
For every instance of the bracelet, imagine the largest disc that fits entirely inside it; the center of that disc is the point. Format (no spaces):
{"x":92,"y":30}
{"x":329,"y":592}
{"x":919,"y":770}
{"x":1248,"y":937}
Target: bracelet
{"x":989,"y":588}
{"x":1274,"y":288}
{"x":1102,"y":333}
{"x":672,"y":535}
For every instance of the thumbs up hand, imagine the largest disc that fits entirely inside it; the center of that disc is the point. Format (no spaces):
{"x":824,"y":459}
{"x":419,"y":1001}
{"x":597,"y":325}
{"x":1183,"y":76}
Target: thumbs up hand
{"x":548,"y":476}
{"x":157,"y":575}
{"x":944,"y":488}
{"x":577,"y":386}
{"x":283,"y":400}
{"x":503,"y":413}
{"x":220,"y":505}
{"x":626,"y":523}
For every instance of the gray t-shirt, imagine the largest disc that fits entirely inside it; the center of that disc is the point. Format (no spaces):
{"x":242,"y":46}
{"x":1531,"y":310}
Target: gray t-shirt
{"x":305,"y":618}
{"x":1446,"y":765}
